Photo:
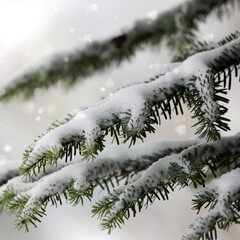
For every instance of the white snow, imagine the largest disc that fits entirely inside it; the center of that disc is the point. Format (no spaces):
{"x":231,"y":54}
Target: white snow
{"x":109,"y":83}
{"x":181,"y":129}
{"x":41,"y":110}
{"x":93,"y":8}
{"x":38,"y":118}
{"x":113,"y":159}
{"x":89,"y":122}
{"x":8,"y":148}
{"x":102,"y":89}
{"x":133,"y":99}
{"x":159,"y":171}
{"x":227,"y":189}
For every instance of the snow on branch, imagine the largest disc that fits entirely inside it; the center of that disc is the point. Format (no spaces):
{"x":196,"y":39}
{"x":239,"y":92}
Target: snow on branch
{"x":130,"y":112}
{"x":223,"y":196}
{"x":184,"y":168}
{"x":177,"y":26}
{"x":28,"y":199}
{"x":151,"y":170}
{"x":13,"y":184}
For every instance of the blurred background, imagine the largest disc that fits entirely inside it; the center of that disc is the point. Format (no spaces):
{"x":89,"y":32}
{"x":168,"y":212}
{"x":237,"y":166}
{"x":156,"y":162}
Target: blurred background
{"x":30,"y":29}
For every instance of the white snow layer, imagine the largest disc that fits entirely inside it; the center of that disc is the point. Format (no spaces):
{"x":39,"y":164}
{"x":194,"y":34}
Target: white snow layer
{"x":227,"y":190}
{"x":133,"y":99}
{"x":113,"y":160}
{"x":159,"y":170}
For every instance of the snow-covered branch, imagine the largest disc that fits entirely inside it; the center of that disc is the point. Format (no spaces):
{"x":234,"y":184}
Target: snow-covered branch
{"x":57,"y":163}
{"x":78,"y":179}
{"x":130,"y":112}
{"x":151,"y":170}
{"x":224,"y":196}
{"x":13,"y":184}
{"x":184,"y":168}
{"x":178,"y":26}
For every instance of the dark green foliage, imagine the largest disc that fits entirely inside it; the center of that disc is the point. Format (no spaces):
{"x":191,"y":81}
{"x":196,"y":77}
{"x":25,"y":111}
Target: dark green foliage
{"x":104,"y":207}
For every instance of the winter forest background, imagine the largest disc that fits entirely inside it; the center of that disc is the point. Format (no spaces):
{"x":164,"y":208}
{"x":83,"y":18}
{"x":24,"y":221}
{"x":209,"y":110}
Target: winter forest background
{"x":29,"y":29}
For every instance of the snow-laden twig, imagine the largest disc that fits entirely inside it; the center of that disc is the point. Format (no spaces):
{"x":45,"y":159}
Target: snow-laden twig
{"x":183,"y":168}
{"x":178,"y":26}
{"x":14,"y":184}
{"x":80,"y":178}
{"x":132,"y":110}
{"x":224,"y":194}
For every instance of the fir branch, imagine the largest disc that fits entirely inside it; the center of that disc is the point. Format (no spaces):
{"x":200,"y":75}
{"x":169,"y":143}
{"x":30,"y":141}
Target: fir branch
{"x":185,"y":168}
{"x":133,"y":118}
{"x":78,"y":179}
{"x":178,"y":26}
{"x":223,"y":196}
{"x":134,"y":178}
{"x":17,"y":184}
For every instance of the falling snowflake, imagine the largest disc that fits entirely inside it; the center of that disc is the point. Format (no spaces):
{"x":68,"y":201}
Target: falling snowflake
{"x":8,"y":148}
{"x":87,"y":38}
{"x":150,"y":66}
{"x":41,"y":110}
{"x":181,"y":129}
{"x":109,"y":83}
{"x":208,"y":37}
{"x":93,"y":8}
{"x":152,"y":14}
{"x":38,"y":118}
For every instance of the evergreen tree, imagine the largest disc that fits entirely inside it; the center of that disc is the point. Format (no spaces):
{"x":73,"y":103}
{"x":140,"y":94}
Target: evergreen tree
{"x":70,"y":159}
